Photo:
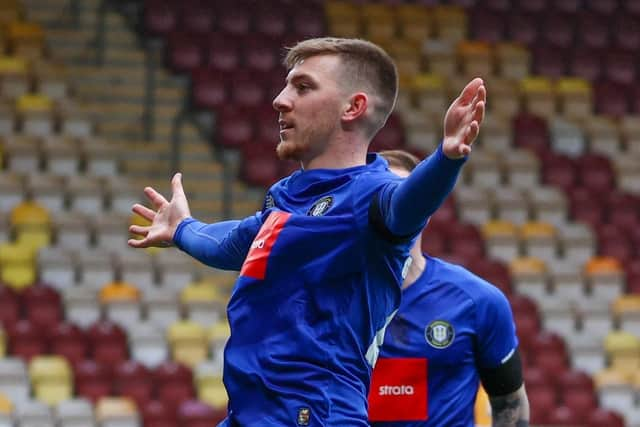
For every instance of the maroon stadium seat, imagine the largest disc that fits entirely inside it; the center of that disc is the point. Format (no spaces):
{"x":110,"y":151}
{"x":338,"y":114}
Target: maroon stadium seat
{"x":620,"y":67}
{"x":261,"y":53}
{"x":223,"y":52}
{"x":445,"y":215}
{"x":235,"y":19}
{"x":575,"y":380}
{"x":566,"y":6}
{"x":156,"y":414}
{"x":585,"y":62}
{"x":266,"y":120}
{"x":603,"y":417}
{"x":26,"y":340}
{"x":493,"y":271}
{"x":533,"y":6}
{"x":68,"y":340}
{"x":592,"y":31}
{"x":235,"y":127}
{"x":542,"y":400}
{"x":390,"y":137}
{"x":132,"y":379}
{"x":42,"y":305}
{"x":530,"y":131}
{"x":308,"y":22}
{"x":173,"y":383}
{"x":487,"y":25}
{"x":260,"y":166}
{"x":605,"y":8}
{"x":557,"y":30}
{"x":209,"y":89}
{"x":194,"y":413}
{"x":271,"y":22}
{"x":535,"y":377}
{"x":550,"y":60}
{"x":197,"y":16}
{"x":434,"y":242}
{"x":108,"y":342}
{"x":627,"y":32}
{"x":611,"y":98}
{"x":563,"y":416}
{"x":467,"y":241}
{"x":247,"y":90}
{"x":9,"y":306}
{"x":159,"y":17}
{"x":580,"y":401}
{"x":523,"y":28}
{"x":184,"y":51}
{"x":92,"y":380}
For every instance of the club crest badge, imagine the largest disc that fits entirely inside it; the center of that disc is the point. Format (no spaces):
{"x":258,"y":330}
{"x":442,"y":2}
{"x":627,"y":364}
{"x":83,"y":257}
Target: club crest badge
{"x":439,"y":334}
{"x":320,"y":207}
{"x":304,"y":416}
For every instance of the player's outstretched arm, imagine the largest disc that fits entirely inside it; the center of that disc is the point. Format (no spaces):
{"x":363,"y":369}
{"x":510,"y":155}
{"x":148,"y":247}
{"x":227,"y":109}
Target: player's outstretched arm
{"x":164,"y":220}
{"x":511,"y":410}
{"x":222,"y":245}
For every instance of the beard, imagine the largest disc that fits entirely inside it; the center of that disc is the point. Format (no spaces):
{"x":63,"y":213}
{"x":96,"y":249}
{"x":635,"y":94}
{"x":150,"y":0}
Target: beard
{"x":292,"y":150}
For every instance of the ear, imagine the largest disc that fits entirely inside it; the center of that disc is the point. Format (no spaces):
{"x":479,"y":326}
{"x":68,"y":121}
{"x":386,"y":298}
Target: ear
{"x":357,"y":107}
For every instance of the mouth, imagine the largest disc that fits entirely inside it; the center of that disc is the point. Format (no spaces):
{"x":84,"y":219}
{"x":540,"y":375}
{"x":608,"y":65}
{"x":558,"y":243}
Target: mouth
{"x":284,"y":125}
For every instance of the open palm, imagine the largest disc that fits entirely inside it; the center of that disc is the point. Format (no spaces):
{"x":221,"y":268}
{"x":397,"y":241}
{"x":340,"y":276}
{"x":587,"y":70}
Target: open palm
{"x":463,"y":119}
{"x":166,"y":218}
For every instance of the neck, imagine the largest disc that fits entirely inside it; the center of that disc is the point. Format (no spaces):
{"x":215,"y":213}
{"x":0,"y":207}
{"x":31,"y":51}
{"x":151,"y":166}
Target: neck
{"x":340,"y":153}
{"x":418,"y":264}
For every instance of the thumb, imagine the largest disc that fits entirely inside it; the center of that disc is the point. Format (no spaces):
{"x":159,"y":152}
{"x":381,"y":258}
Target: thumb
{"x":176,"y":185}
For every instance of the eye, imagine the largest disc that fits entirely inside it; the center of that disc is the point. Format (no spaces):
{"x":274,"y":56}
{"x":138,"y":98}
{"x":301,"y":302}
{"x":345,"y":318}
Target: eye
{"x":302,"y":87}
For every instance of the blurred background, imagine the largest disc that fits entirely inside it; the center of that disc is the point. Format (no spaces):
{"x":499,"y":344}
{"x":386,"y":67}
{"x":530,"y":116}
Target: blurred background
{"x":99,"y":98}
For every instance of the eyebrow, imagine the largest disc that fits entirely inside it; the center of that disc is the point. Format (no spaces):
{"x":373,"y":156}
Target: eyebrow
{"x":298,"y":77}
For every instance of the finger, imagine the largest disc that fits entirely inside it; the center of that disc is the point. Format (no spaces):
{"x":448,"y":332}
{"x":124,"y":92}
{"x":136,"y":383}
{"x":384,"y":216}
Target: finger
{"x":144,"y":212}
{"x":478,"y":113}
{"x":139,"y":230}
{"x":156,"y":198}
{"x":472,"y":133}
{"x":470,"y":91}
{"x":176,"y":185}
{"x":138,"y":243}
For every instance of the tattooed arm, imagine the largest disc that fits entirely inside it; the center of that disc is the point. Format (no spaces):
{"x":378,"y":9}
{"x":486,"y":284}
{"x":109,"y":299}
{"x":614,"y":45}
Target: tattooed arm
{"x":510,"y":410}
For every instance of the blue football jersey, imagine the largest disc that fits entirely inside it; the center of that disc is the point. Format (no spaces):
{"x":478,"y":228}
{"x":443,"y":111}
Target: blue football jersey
{"x":308,"y":311}
{"x":449,"y":324}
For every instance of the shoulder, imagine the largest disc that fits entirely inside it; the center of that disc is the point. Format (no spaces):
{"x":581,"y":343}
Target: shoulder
{"x":483,"y":294}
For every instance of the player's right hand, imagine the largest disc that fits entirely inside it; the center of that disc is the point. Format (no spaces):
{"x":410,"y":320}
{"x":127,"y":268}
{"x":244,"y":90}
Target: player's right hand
{"x":164,"y":220}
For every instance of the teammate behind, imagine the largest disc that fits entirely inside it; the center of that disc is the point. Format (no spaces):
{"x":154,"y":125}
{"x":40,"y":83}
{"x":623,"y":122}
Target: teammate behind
{"x":452,"y":330}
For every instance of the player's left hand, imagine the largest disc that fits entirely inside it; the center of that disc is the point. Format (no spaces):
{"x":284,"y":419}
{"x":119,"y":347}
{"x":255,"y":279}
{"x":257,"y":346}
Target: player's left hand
{"x":463,"y":119}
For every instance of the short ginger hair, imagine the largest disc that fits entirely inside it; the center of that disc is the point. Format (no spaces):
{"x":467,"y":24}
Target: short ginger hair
{"x":366,"y":66}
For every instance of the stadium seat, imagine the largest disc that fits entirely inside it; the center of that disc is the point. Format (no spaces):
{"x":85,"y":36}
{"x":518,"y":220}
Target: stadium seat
{"x":626,"y":309}
{"x":623,"y":351}
{"x":159,"y":17}
{"x":175,"y":269}
{"x":85,"y":194}
{"x":565,"y":416}
{"x":591,"y":30}
{"x":51,"y":379}
{"x":184,"y":51}
{"x":133,"y":380}
{"x":202,"y":302}
{"x":147,"y":344}
{"x":450,"y":22}
{"x":120,"y":303}
{"x":188,"y":342}
{"x":529,"y":276}
{"x":604,"y":417}
{"x":542,"y":401}
{"x":12,"y":191}
{"x":173,"y":383}
{"x":567,"y":137}
{"x":71,"y":231}
{"x":26,"y":340}
{"x":162,"y":306}
{"x":69,"y":341}
{"x":6,"y":410}
{"x":10,"y":310}
{"x":14,"y":380}
{"x":155,"y":414}
{"x":414,"y":22}
{"x":81,"y":305}
{"x":614,"y":390}
{"x":47,"y":191}
{"x":14,"y":73}
{"x":511,"y":205}
{"x":577,"y":242}
{"x":611,"y":99}
{"x":108,"y":342}
{"x":473,"y":204}
{"x":33,"y":413}
{"x":567,"y":280}
{"x":538,"y":96}
{"x":42,"y":305}
{"x":379,"y":24}
{"x":193,"y":413}
{"x":92,"y":380}
{"x":549,"y":60}
{"x":501,"y":240}
{"x":117,"y":412}
{"x":76,"y":412}
{"x":484,"y":173}
{"x":605,"y":277}
{"x":137,"y":268}
{"x":17,"y":268}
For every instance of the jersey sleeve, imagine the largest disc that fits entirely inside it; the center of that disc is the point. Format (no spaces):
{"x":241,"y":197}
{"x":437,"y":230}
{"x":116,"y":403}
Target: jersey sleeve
{"x":222,"y":245}
{"x":404,"y":208}
{"x":496,"y":332}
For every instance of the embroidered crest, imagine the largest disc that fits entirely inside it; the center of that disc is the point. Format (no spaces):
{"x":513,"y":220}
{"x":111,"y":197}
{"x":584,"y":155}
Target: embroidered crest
{"x":439,"y":334}
{"x":321,"y":207}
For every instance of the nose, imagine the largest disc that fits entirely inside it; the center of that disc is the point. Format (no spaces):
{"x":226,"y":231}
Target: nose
{"x":281,"y":102}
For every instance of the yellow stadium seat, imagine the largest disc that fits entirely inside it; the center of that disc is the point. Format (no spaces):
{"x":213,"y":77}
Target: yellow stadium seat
{"x":13,"y":65}
{"x":626,"y":309}
{"x":343,"y":19}
{"x":501,"y":238}
{"x":575,"y":97}
{"x":539,"y":239}
{"x":476,"y":58}
{"x":379,"y":22}
{"x":529,"y":277}
{"x":17,"y":266}
{"x":505,"y":97}
{"x":3,"y":343}
{"x":539,"y":96}
{"x":612,"y":377}
{"x":513,"y":60}
{"x":51,"y":379}
{"x":26,"y":39}
{"x":430,"y":92}
{"x":219,"y":332}
{"x":32,"y":224}
{"x":188,"y":342}
{"x":34,"y":103}
{"x":203,"y":301}
{"x":414,"y":22}
{"x":119,"y":291}
{"x":115,"y":410}
{"x":450,"y":22}
{"x":213,"y":392}
{"x":6,"y":406}
{"x":622,"y":345}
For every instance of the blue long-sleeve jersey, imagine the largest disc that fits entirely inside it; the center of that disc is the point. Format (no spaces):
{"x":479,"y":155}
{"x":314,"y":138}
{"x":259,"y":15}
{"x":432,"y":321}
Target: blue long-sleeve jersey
{"x":320,"y":274}
{"x":450,"y":324}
